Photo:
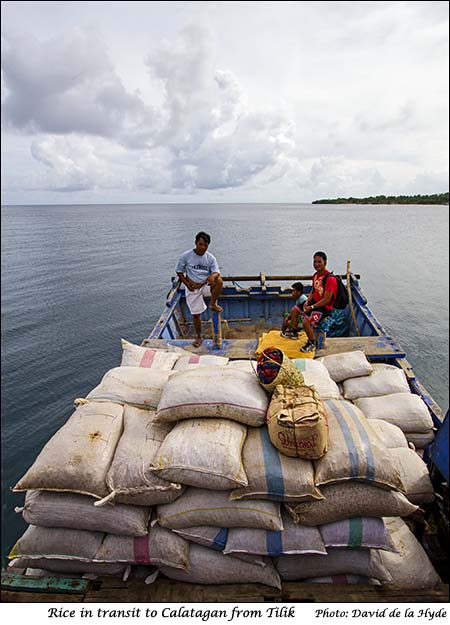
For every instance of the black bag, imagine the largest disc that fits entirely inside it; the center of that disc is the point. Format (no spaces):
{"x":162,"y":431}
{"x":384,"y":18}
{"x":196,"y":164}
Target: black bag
{"x":341,"y":300}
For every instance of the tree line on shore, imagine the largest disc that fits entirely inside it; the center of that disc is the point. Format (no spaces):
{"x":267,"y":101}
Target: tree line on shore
{"x":436,"y":198}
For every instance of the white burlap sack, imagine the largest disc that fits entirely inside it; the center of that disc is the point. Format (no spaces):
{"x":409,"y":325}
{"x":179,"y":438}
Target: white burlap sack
{"x":160,"y":547}
{"x":129,"y":478}
{"x":316,"y":374}
{"x":74,"y":567}
{"x":244,"y":365}
{"x":354,"y":450}
{"x":74,"y":511}
{"x":406,"y":410}
{"x":77,"y":457}
{"x":136,"y":386}
{"x":212,"y":567}
{"x":293,"y":539}
{"x":420,"y":439}
{"x":221,"y":392}
{"x":339,"y":561}
{"x":357,"y":532}
{"x":147,"y":357}
{"x":391,"y":435}
{"x":203,"y":452}
{"x":382,"y":381}
{"x":347,"y":365}
{"x":272,"y":475}
{"x":207,"y":536}
{"x":195,"y":360}
{"x":57,"y":543}
{"x":414,"y":473}
{"x":350,"y":499}
{"x":215,"y":538}
{"x":198,"y":506}
{"x":410,"y":567}
{"x":343,"y":579}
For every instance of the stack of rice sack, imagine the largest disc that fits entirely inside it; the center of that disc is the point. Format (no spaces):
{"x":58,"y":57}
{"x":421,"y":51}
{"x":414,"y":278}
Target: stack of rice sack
{"x":168,"y":462}
{"x":102,"y":454}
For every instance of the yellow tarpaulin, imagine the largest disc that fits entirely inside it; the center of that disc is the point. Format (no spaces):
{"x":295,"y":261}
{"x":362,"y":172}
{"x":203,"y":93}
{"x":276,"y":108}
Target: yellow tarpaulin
{"x":288,"y":346}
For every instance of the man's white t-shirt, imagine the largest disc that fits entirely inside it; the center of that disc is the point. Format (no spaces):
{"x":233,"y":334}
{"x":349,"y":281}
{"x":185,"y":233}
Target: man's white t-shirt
{"x":196,"y":267}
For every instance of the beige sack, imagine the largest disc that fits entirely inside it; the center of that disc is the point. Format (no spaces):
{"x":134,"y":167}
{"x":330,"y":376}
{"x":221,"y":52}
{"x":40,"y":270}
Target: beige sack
{"x":129,"y":478}
{"x":198,"y":506}
{"x":350,"y":499}
{"x":315,"y":374}
{"x":203,"y":452}
{"x":197,"y":360}
{"x":347,"y":365}
{"x":416,"y":479}
{"x":354,"y":450}
{"x":77,"y":458}
{"x":212,"y":567}
{"x":74,"y":567}
{"x":160,"y":547}
{"x":136,"y":386}
{"x":406,"y":410}
{"x":272,"y":475}
{"x":391,"y":435}
{"x":420,"y":439}
{"x":343,"y":561}
{"x":74,"y":511}
{"x":410,"y":567}
{"x":55,"y":542}
{"x":147,"y":357}
{"x":297,"y":422}
{"x":220,"y":392}
{"x":384,"y":380}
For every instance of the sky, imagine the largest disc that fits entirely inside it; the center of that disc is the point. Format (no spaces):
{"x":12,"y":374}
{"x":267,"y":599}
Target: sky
{"x":172,"y":102}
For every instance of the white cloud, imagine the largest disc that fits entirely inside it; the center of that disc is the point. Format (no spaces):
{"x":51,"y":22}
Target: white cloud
{"x":286,"y":103}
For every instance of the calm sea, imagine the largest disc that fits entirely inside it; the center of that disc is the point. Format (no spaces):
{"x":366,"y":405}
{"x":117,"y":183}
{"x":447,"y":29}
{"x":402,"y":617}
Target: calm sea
{"x":75,"y":279}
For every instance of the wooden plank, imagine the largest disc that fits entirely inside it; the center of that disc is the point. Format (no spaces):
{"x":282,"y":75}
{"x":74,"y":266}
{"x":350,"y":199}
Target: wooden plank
{"x":15,"y":596}
{"x":231,"y":348}
{"x":31,"y":583}
{"x":373,"y":346}
{"x":114,"y":590}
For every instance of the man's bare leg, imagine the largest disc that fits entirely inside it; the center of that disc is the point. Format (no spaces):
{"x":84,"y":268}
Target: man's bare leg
{"x":216,"y":290}
{"x":308,"y":329}
{"x":198,"y":330}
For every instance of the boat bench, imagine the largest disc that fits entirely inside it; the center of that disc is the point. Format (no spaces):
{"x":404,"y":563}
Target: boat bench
{"x":375,"y":347}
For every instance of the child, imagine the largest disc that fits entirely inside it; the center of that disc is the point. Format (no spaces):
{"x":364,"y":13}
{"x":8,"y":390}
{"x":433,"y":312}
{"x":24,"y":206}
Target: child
{"x":296,"y":312}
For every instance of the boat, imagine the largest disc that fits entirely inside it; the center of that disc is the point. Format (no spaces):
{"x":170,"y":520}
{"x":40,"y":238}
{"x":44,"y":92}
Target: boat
{"x":252,"y":305}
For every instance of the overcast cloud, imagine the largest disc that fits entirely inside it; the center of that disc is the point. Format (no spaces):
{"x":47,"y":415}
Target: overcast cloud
{"x":223,"y":101}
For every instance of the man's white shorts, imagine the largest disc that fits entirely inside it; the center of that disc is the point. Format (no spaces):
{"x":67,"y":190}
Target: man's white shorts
{"x":195,"y":299}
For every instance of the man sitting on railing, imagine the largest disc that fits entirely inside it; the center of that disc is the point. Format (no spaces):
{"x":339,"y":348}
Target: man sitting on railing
{"x":199,"y":272}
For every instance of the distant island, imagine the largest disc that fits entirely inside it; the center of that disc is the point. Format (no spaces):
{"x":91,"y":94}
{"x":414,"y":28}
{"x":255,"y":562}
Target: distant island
{"x":437,"y":198}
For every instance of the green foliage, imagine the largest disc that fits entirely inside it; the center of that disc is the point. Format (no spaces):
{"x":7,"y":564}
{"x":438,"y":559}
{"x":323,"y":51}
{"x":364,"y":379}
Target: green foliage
{"x":437,"y":198}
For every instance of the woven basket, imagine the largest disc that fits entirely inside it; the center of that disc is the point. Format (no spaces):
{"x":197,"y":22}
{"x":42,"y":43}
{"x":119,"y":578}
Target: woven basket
{"x":289,"y":376}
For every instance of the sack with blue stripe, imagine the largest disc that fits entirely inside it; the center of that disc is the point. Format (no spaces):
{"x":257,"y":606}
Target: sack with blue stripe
{"x":355,"y":452}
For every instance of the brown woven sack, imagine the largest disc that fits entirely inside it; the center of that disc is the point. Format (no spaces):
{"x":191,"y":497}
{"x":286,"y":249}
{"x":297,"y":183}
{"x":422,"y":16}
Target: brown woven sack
{"x":288,"y":374}
{"x":297,"y":422}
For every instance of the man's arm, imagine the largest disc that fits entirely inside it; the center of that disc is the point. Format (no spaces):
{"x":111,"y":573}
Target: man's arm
{"x":325,"y":300}
{"x":190,"y":284}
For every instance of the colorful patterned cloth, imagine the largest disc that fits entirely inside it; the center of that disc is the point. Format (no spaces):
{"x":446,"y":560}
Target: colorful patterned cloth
{"x":335,"y":324}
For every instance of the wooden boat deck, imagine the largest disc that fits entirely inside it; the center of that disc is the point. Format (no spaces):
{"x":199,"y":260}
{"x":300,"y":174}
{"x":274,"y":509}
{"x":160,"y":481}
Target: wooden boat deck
{"x":375,"y":347}
{"x":114,"y":590}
